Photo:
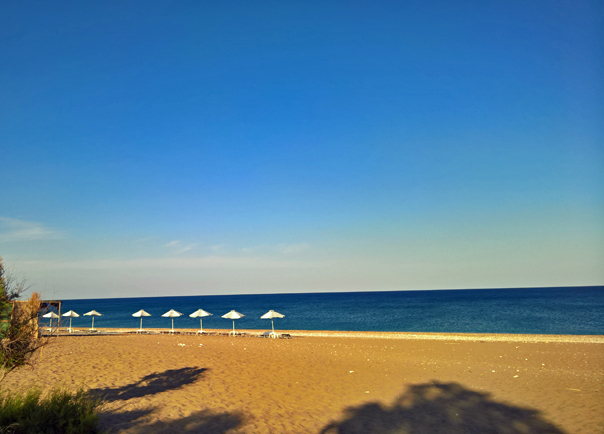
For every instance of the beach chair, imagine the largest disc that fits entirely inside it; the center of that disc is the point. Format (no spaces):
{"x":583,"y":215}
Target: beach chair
{"x":201,"y":333}
{"x":170,"y":332}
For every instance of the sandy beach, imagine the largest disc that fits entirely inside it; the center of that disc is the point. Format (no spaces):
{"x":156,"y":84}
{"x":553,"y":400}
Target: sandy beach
{"x":333,"y":382}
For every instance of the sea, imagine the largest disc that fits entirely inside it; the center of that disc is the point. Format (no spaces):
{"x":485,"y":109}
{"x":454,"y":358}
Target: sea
{"x":567,"y":310}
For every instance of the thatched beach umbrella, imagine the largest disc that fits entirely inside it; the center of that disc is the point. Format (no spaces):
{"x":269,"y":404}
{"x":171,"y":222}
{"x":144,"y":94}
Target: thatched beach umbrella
{"x":270,"y":315}
{"x":70,"y":314}
{"x":50,"y":315}
{"x":172,"y":314}
{"x":233,"y":315}
{"x":140,"y":314}
{"x":93,"y":313}
{"x":200,"y":313}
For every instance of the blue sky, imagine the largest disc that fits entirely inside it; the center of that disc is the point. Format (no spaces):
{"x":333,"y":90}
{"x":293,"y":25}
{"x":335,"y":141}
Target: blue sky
{"x":158,"y":148}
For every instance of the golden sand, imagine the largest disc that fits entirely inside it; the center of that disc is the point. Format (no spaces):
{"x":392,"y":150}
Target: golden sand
{"x":333,"y":382}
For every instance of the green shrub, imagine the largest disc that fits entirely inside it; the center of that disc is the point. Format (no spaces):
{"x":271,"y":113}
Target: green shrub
{"x":60,"y":411}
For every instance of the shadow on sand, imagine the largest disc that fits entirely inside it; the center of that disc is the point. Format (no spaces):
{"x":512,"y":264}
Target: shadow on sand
{"x":115,"y":418}
{"x":151,"y":384}
{"x":203,"y":421}
{"x":436,"y":408}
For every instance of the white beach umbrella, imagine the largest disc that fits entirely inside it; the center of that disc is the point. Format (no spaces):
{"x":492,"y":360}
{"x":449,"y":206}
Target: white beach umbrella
{"x":200,"y":313}
{"x":70,"y":314}
{"x":93,"y":313}
{"x":233,"y":315}
{"x":270,"y":315}
{"x":50,"y":315}
{"x":140,"y":314}
{"x":172,"y":314}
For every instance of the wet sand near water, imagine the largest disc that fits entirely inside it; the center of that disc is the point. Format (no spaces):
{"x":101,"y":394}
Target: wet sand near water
{"x":332,"y":382}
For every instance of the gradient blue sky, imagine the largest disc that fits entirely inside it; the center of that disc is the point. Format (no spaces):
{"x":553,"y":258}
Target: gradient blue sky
{"x":157,"y":147}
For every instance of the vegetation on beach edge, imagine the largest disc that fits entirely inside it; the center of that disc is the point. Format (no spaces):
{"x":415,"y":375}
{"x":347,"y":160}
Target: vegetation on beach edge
{"x":58,"y":411}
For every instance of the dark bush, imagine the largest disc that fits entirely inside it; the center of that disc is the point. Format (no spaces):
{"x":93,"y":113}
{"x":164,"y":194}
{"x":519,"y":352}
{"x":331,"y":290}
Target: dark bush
{"x":59,"y":412}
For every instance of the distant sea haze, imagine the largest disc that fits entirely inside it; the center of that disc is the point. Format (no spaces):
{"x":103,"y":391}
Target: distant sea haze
{"x":568,"y":310}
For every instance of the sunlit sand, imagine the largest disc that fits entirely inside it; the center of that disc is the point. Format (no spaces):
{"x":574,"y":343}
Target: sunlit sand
{"x":187,"y":383}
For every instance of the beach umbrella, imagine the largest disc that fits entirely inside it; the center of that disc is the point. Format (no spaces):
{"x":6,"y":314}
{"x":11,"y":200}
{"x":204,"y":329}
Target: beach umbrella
{"x":140,"y":314}
{"x":172,"y":314}
{"x":271,"y":314}
{"x":93,"y":313}
{"x":70,"y":314}
{"x":50,"y":315}
{"x":200,"y":313}
{"x":233,"y":315}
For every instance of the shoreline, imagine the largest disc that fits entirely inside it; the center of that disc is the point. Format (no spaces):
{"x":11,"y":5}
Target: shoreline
{"x":464,"y":337}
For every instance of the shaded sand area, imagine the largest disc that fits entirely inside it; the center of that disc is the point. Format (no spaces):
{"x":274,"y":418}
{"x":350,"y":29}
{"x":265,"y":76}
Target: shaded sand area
{"x":334,"y":384}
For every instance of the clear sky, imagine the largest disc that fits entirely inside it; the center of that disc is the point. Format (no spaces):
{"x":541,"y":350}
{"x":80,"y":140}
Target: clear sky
{"x":152,"y":148}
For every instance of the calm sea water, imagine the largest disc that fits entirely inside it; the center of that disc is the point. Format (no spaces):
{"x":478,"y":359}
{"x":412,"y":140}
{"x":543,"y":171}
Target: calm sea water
{"x":574,"y":310}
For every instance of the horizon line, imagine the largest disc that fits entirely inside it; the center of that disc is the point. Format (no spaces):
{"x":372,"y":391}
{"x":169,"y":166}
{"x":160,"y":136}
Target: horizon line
{"x":338,"y":292}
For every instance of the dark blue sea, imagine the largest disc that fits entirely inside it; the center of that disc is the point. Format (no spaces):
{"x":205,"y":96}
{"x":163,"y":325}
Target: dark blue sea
{"x":570,"y":310}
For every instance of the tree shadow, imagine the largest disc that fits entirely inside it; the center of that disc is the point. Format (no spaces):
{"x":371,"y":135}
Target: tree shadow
{"x":151,"y":384}
{"x":114,"y":421}
{"x":203,"y":421}
{"x":435,"y":408}
{"x":114,"y":417}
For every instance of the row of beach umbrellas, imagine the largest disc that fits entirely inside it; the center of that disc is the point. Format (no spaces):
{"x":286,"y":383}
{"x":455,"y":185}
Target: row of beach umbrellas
{"x":199,"y":313}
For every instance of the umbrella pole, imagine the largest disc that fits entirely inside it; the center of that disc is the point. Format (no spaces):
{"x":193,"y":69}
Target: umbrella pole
{"x":69,"y":324}
{"x":273,"y":324}
{"x":140,"y":329}
{"x":200,"y":325}
{"x":233,"y":327}
{"x":92,"y":322}
{"x":172,"y":325}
